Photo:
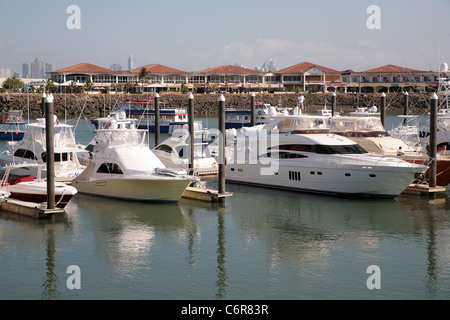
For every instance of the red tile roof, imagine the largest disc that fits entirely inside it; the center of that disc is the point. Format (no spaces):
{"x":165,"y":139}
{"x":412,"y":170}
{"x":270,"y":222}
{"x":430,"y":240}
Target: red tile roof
{"x":159,"y":69}
{"x":83,"y":68}
{"x":389,"y":68}
{"x":228,"y":69}
{"x":304,"y":67}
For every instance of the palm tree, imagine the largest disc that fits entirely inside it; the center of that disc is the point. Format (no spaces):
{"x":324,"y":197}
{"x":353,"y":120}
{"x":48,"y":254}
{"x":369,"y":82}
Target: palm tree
{"x":143,"y":77}
{"x":88,"y":85}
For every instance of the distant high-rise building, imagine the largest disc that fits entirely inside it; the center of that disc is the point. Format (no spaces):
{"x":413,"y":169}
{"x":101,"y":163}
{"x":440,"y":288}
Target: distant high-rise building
{"x":130,"y":63}
{"x":25,"y":73}
{"x":5,"y":73}
{"x":16,"y":74}
{"x":116,"y":67}
{"x":48,"y":68}
{"x":37,"y":72}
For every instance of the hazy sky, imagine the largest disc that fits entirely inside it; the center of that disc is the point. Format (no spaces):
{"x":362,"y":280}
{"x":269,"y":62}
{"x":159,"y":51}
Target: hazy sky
{"x":198,"y":34}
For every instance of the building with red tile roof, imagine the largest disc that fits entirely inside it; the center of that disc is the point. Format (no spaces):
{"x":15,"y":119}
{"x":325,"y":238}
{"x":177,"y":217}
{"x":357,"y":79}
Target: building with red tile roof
{"x":309,"y":76}
{"x":304,"y":75}
{"x":389,"y":78}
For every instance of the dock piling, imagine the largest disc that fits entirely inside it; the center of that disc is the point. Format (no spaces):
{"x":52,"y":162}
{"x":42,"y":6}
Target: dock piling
{"x":50,"y":150}
{"x":191,"y":131}
{"x":333,"y":103}
{"x":383,"y":110}
{"x":157,"y":127}
{"x":222,"y":131}
{"x":252,"y":119}
{"x":433,"y":141}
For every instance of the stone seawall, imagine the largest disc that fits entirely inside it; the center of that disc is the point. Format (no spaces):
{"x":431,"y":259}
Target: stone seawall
{"x":99,"y":104}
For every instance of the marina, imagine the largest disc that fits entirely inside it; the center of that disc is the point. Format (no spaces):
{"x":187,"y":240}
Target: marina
{"x":259,"y":243}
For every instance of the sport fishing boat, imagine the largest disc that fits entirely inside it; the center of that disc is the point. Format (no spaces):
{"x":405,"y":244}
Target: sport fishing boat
{"x":298,"y":153}
{"x":143,"y":112}
{"x":13,"y":127}
{"x":32,"y":149}
{"x":27,"y":188}
{"x":124,"y":167}
{"x":236,"y":118}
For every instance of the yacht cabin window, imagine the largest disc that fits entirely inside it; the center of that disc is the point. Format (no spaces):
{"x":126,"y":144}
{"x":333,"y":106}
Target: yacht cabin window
{"x":23,"y":153}
{"x":109,"y":168}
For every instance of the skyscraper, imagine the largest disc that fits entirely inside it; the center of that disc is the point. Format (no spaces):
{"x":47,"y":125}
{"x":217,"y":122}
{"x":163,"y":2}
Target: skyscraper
{"x":130,"y":62}
{"x":25,"y":73}
{"x":37,"y":71}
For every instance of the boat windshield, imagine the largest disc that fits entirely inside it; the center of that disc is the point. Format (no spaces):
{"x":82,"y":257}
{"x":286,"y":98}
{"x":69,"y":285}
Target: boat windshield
{"x":356,"y":124}
{"x":301,"y":124}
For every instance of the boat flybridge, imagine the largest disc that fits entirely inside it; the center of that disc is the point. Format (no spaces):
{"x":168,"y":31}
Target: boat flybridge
{"x":124,"y":167}
{"x":32,"y":149}
{"x":298,"y":153}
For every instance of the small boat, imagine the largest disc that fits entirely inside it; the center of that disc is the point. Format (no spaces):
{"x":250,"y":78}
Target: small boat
{"x":32,"y":149}
{"x":123,"y":167}
{"x":236,"y":119}
{"x":364,"y":112}
{"x":27,"y":188}
{"x":13,"y":127}
{"x":298,"y":153}
{"x":174,"y":152}
{"x":143,"y":112}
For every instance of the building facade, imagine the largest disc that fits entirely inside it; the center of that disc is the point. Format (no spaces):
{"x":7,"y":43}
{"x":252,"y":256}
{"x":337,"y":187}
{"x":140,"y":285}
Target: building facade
{"x":305,"y":76}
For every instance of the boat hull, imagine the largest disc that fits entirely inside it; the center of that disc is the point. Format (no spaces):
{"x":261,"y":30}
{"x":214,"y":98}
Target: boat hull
{"x":158,"y":190}
{"x":37,"y":192}
{"x":368,"y":181}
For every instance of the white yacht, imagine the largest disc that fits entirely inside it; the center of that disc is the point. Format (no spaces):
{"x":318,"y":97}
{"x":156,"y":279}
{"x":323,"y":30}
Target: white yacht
{"x":32,"y":149}
{"x":124,"y":167}
{"x":370,"y":134}
{"x":174,"y":152}
{"x":299,"y":153}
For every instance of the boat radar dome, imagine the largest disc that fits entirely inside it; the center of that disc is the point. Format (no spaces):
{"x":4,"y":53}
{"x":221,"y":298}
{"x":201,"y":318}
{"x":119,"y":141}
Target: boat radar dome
{"x":444,"y":67}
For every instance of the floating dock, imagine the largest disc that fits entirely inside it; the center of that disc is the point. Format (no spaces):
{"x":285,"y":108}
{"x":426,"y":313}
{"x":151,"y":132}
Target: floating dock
{"x":424,"y":190}
{"x":30,"y":209}
{"x":202,"y":194}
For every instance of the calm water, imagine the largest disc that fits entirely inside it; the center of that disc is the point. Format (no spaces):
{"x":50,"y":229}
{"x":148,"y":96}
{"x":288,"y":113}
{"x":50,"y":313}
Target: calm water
{"x":259,"y":244}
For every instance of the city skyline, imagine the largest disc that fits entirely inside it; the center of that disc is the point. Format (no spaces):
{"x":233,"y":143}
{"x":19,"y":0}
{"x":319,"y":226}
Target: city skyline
{"x":201,"y":34}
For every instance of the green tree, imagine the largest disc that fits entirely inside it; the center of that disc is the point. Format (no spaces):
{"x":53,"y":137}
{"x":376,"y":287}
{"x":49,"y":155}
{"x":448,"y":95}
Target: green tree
{"x":143,"y":77}
{"x":13,"y":84}
{"x":127,"y":87}
{"x":50,"y":85}
{"x":88,"y":85}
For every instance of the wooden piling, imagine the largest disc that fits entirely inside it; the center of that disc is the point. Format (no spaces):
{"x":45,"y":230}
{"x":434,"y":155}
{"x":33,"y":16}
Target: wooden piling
{"x":157,"y":126}
{"x":433,"y":140}
{"x":252,"y":118}
{"x":333,"y":103}
{"x":405,"y":103}
{"x":222,"y":133}
{"x":383,"y":109}
{"x":191,"y":131}
{"x":50,"y":150}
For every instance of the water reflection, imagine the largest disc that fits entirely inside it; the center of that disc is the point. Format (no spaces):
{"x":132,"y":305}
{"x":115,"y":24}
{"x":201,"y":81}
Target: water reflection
{"x":127,"y":231}
{"x":47,"y":232}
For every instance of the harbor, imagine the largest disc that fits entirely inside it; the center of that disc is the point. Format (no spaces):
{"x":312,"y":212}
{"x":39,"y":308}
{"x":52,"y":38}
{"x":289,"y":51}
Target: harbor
{"x":304,"y":245}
